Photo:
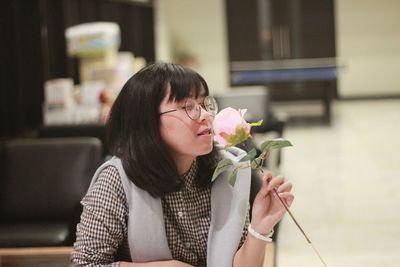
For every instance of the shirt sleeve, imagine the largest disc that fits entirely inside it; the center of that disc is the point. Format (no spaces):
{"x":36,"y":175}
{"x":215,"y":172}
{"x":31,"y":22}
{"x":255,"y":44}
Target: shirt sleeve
{"x":102,"y":227}
{"x":246,"y":225}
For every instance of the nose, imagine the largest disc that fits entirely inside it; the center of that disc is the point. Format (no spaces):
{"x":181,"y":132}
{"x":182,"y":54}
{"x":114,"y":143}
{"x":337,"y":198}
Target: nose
{"x":205,"y":115}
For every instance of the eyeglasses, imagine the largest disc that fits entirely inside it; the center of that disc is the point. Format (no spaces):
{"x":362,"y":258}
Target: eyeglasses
{"x":193,"y":108}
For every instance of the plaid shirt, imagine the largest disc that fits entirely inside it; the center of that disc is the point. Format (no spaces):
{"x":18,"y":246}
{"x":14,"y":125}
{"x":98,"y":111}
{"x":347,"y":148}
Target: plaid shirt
{"x":102,"y":232}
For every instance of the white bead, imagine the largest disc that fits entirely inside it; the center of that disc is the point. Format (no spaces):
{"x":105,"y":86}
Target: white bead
{"x":266,"y":238}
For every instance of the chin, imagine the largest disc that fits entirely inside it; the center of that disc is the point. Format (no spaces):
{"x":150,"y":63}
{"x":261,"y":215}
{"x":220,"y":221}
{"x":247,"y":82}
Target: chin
{"x":205,"y":150}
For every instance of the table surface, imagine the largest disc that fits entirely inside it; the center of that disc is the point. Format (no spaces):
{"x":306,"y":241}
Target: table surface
{"x":35,"y":257}
{"x":59,"y":256}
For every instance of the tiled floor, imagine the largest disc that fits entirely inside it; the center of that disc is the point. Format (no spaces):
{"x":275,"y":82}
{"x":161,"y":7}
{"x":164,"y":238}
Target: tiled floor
{"x":346,"y":180}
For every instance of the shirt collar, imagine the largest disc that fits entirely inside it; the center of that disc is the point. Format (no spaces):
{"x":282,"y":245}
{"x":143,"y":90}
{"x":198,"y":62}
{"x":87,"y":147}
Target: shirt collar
{"x":189,"y":178}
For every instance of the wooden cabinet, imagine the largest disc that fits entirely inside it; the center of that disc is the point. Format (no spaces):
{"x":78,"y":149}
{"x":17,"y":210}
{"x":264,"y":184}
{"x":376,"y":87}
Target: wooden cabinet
{"x":280,"y":29}
{"x":283,"y":33}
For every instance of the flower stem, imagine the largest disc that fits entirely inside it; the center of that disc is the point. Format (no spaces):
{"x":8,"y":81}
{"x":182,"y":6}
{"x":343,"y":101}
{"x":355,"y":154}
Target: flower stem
{"x":295,"y":221}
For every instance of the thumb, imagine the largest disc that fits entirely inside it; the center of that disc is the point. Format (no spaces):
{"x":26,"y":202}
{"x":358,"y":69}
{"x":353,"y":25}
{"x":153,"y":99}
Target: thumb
{"x":264,"y":190}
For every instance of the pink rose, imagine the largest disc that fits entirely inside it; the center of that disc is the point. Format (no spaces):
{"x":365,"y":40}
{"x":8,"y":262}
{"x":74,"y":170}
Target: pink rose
{"x":230,"y":128}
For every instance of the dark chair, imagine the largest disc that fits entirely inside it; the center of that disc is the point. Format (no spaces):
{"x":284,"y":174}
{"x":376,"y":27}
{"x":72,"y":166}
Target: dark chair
{"x":41,"y":185}
{"x":77,"y":130}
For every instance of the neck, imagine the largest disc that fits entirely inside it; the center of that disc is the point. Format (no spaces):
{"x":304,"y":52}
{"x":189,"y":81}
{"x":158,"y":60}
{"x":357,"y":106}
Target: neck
{"x":183,"y":164}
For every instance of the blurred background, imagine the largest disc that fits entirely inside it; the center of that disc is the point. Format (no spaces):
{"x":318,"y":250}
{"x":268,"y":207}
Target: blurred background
{"x":321,"y":73}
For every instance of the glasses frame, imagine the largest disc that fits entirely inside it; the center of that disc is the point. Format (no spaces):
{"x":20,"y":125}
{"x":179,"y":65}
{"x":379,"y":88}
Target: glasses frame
{"x":211,"y":110}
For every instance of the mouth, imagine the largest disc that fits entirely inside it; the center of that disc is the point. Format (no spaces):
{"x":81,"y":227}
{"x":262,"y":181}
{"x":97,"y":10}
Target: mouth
{"x":205,"y":132}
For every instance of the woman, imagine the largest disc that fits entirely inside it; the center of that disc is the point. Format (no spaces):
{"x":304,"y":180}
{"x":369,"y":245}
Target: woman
{"x":154,"y":204}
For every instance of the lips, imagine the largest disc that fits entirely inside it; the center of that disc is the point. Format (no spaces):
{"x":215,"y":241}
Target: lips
{"x":205,"y":132}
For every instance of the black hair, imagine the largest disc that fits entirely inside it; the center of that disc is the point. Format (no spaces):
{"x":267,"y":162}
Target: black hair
{"x":133,"y":128}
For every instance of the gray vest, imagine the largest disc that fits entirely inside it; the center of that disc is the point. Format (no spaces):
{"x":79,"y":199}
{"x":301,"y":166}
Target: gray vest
{"x":146,"y":229}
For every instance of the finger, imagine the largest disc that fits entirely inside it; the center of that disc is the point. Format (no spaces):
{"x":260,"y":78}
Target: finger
{"x":276,"y":181}
{"x":287,"y":197}
{"x":264,"y":190}
{"x":267,"y":176}
{"x":287,"y":186}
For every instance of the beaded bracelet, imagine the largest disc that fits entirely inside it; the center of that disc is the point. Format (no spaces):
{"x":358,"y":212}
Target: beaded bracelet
{"x":266,"y":238}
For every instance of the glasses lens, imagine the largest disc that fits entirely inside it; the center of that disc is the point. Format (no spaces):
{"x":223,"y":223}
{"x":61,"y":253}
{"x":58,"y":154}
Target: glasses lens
{"x":211,"y":105}
{"x":192,"y":109}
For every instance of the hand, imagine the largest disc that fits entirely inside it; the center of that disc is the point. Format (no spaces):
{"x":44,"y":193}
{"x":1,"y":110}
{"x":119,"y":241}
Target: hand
{"x":267,"y":208}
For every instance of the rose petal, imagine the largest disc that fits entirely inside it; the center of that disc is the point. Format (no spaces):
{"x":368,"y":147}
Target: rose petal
{"x":227,"y":121}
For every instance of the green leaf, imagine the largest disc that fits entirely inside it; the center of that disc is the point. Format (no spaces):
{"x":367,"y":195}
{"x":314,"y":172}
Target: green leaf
{"x":257,"y":123}
{"x":222,"y":166}
{"x":256,"y":162}
{"x":241,"y":135}
{"x":232,"y":177}
{"x":249,"y":156}
{"x":274,"y":144}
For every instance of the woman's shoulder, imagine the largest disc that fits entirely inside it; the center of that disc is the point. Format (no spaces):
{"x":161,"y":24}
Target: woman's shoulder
{"x":107,"y":187}
{"x":110,"y":173}
{"x":109,"y":176}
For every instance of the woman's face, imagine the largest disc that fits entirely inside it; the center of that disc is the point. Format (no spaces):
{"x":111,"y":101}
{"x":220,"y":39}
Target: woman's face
{"x":184,"y":136}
